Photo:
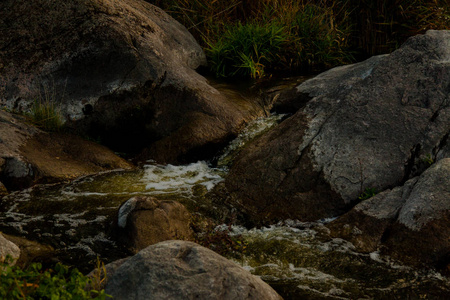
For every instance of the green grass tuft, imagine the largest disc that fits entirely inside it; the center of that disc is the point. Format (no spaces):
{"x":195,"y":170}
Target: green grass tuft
{"x":246,"y":50}
{"x":46,"y":115}
{"x":368,"y":193}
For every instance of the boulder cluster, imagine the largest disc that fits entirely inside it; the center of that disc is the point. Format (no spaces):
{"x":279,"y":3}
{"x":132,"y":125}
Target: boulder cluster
{"x":124,"y":73}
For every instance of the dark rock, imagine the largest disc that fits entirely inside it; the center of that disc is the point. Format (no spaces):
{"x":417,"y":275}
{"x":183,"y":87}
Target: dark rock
{"x":375,"y":124}
{"x":122,"y":72}
{"x":410,"y":223}
{"x":145,"y":221}
{"x":184,"y":270}
{"x":32,"y":156}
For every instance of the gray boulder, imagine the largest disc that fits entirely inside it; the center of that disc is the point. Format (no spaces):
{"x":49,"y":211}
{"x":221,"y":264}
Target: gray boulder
{"x":144,"y":221}
{"x":29,"y":155}
{"x":375,"y":124}
{"x":8,"y":249}
{"x":122,"y":72}
{"x":184,"y":270}
{"x":410,"y":222}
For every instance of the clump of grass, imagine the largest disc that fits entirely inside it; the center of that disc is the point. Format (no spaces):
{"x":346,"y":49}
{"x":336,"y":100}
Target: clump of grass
{"x":45,"y":112}
{"x":35,"y":283}
{"x":46,"y":115}
{"x":246,"y":50}
{"x":305,"y":37}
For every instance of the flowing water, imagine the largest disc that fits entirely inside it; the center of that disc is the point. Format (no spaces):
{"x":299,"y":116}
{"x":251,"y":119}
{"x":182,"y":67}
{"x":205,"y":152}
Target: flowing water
{"x":300,"y":260}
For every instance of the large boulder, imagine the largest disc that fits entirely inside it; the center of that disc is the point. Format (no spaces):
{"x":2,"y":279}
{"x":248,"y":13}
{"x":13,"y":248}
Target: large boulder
{"x":122,"y":72}
{"x":144,"y":221}
{"x":31,"y":156}
{"x":184,"y":270}
{"x":374,"y":125}
{"x":410,"y":222}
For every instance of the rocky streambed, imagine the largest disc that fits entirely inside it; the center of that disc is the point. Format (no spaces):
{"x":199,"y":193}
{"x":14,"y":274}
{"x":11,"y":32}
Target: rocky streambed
{"x":298,"y":259}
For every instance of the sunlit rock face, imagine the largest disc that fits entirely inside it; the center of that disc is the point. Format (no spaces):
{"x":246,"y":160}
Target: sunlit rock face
{"x":122,"y":72}
{"x":374,"y":124}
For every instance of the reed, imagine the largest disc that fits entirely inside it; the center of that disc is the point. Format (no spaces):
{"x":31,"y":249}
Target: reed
{"x":316,"y":34}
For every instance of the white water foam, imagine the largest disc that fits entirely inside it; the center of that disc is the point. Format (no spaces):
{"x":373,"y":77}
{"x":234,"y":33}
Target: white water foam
{"x":180,"y":179}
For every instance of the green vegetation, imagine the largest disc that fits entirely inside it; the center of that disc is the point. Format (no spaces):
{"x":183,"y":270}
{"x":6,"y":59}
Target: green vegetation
{"x":46,"y":115}
{"x":428,"y":159}
{"x":35,"y":283}
{"x":45,"y":112}
{"x":368,"y":193}
{"x":246,"y":50}
{"x":256,"y":38}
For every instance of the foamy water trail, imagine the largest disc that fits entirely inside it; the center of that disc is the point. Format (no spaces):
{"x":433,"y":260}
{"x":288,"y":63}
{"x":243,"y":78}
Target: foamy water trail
{"x":180,"y":179}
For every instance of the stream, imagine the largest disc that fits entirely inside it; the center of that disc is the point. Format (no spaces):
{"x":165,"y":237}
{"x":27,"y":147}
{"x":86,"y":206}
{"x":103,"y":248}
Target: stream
{"x":299,"y":259}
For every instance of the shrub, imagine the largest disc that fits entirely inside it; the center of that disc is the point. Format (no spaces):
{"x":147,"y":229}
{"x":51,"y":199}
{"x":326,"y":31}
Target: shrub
{"x":34,"y":283}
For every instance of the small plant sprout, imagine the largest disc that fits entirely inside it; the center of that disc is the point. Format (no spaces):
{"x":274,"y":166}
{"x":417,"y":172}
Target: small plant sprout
{"x":368,"y":193}
{"x":428,"y":159}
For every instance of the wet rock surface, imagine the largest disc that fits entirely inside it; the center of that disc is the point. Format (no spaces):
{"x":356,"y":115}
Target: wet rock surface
{"x":368,"y":125}
{"x":122,"y":72}
{"x":31,"y":156}
{"x":144,"y":221}
{"x":184,"y":270}
{"x":409,"y":223}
